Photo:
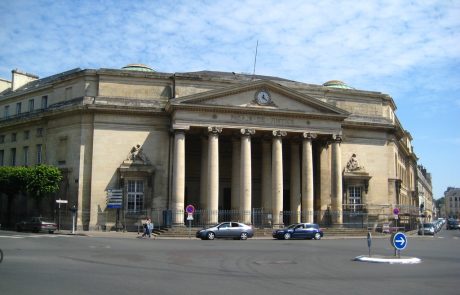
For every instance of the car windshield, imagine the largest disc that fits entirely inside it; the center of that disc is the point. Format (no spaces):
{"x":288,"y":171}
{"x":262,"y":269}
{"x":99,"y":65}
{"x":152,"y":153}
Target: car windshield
{"x":427,"y":225}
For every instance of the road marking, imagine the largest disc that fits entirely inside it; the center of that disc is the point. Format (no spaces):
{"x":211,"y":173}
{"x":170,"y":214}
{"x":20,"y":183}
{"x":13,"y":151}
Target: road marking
{"x":32,"y":236}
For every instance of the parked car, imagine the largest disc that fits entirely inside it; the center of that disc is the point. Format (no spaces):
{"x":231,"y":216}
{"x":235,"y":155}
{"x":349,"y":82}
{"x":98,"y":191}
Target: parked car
{"x":427,"y":229}
{"x":226,"y":230}
{"x":452,"y":224}
{"x":299,"y":231}
{"x":36,"y":224}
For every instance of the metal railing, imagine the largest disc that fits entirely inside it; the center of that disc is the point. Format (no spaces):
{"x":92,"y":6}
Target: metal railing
{"x":257,"y":217}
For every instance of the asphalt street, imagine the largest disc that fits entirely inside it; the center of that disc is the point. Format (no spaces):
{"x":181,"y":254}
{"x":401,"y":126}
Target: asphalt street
{"x":121,"y":264}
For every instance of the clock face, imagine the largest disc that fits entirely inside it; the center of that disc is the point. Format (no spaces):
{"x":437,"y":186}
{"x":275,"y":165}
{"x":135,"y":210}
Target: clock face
{"x":263,"y":97}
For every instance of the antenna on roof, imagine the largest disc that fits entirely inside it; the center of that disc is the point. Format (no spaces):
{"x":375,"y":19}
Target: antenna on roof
{"x":255,"y":60}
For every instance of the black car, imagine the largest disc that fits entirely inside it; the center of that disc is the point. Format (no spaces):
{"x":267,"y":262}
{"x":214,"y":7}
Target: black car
{"x":299,"y":231}
{"x":452,"y":224}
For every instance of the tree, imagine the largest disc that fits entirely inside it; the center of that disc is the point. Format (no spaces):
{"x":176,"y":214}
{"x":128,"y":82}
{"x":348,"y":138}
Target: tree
{"x":38,"y":182}
{"x":42,"y":180}
{"x":12,"y":182}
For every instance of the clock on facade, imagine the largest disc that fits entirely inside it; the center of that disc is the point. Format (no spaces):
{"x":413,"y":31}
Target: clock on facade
{"x":263,"y":97}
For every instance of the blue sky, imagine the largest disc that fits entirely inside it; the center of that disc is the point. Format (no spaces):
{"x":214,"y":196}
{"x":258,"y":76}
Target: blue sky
{"x":407,"y":49}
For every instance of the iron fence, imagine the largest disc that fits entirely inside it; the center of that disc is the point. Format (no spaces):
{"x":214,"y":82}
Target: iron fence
{"x":258,"y":217}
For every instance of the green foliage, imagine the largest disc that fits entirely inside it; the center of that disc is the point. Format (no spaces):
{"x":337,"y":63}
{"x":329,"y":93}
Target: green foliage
{"x":42,"y":180}
{"x":12,"y":180}
{"x":37,"y":181}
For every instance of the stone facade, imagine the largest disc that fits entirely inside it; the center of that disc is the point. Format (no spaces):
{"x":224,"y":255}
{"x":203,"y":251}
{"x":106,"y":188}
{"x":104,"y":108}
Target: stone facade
{"x":219,"y":141}
{"x":452,"y":202}
{"x":425,"y":194}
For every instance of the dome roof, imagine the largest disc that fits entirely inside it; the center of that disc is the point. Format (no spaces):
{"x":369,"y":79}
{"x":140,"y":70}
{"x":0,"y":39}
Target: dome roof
{"x":337,"y":84}
{"x":138,"y":67}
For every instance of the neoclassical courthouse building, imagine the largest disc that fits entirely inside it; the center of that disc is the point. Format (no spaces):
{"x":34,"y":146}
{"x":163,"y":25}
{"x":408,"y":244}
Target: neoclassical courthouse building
{"x":260,"y":146}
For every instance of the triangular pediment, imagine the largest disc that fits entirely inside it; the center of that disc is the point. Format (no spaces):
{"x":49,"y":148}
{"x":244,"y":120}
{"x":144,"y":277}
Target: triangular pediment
{"x":262,"y":95}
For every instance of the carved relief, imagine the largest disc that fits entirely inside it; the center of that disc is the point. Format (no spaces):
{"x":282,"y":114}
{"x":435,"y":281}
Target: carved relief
{"x":137,"y":156}
{"x":353,"y":164}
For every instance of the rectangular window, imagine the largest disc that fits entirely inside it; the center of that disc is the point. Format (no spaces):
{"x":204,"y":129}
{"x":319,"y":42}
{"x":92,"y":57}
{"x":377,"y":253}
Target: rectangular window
{"x":39,"y":154}
{"x":26,"y":135}
{"x":13,"y":157}
{"x":2,"y":157}
{"x":13,"y":137}
{"x":39,"y":132}
{"x":6,"y":112}
{"x":2,"y":138}
{"x":26,"y":155}
{"x":354,"y":198}
{"x":31,"y":105}
{"x":135,"y":195}
{"x":18,"y":108}
{"x":44,"y":101}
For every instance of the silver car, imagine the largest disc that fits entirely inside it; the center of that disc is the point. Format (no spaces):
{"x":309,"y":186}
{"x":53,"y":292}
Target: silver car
{"x":226,"y":230}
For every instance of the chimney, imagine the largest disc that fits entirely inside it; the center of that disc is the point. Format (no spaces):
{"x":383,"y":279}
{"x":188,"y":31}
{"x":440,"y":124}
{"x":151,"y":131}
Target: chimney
{"x":20,"y":79}
{"x":4,"y":85}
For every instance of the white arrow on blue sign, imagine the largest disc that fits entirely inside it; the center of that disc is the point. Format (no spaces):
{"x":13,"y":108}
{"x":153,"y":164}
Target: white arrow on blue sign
{"x":399,"y":241}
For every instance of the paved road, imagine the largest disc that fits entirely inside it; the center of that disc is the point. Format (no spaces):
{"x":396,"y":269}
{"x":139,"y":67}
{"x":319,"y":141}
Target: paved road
{"x":63,"y":264}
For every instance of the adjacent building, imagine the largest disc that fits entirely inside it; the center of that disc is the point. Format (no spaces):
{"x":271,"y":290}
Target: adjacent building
{"x":452,"y":202}
{"x":263,"y":150}
{"x":425,"y":194}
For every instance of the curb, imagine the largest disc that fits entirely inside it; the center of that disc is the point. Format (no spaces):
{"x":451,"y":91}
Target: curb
{"x":389,"y":260}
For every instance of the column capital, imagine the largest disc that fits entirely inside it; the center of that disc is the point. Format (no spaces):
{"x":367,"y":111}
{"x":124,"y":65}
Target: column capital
{"x":279,"y":133}
{"x":248,"y":131}
{"x":309,"y":135}
{"x":178,"y":130}
{"x":214,"y":129}
{"x":337,"y":138}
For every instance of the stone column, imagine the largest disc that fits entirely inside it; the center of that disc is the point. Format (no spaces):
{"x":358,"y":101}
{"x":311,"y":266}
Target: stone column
{"x":324,"y":182}
{"x":204,"y":173}
{"x":295,"y":183}
{"x":178,"y":189}
{"x":236,"y":164}
{"x":336,"y":190}
{"x":213,"y":175}
{"x":307,"y":178}
{"x":266,"y":181}
{"x":246,"y":176}
{"x":277,"y":178}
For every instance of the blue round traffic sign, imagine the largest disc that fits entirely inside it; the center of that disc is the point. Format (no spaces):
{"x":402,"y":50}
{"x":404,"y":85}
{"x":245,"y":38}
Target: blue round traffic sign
{"x":399,"y":241}
{"x":190,"y":209}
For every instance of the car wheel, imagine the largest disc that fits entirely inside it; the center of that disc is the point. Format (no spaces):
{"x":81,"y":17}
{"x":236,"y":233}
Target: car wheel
{"x":51,"y":231}
{"x":244,"y":236}
{"x":210,"y":236}
{"x":317,"y":236}
{"x":19,"y":229}
{"x":287,"y":236}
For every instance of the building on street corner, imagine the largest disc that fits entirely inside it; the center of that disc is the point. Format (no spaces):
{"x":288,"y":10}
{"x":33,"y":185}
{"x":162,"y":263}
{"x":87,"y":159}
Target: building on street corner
{"x":263,"y":150}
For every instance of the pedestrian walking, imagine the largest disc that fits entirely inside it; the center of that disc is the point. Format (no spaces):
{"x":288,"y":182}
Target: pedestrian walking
{"x":148,"y":226}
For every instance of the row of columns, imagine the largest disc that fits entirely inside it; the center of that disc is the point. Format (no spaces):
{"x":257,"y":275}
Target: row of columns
{"x":271,"y":182}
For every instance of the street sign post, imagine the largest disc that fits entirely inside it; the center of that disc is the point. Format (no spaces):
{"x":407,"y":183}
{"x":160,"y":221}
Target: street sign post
{"x":59,"y":202}
{"x":369,"y":242}
{"x":190,"y":209}
{"x":399,"y":242}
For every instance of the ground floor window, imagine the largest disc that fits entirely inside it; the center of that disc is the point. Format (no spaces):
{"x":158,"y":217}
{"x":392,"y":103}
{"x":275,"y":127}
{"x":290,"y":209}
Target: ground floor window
{"x":354,"y":198}
{"x":135,"y":195}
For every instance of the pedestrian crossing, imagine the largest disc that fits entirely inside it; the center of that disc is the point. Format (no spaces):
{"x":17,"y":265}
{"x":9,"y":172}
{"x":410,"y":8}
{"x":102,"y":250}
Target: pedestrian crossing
{"x":32,"y":236}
